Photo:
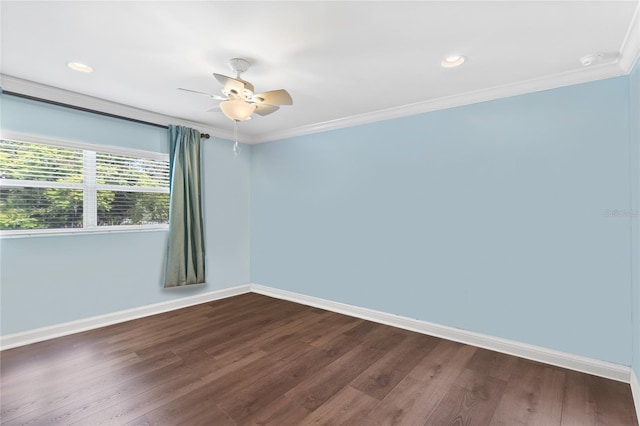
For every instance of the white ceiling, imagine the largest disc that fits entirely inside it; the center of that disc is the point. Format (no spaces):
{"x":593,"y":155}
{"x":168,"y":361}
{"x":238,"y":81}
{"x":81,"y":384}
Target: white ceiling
{"x":343,"y":62}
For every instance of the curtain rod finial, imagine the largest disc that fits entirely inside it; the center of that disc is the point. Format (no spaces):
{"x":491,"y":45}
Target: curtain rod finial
{"x":204,"y":135}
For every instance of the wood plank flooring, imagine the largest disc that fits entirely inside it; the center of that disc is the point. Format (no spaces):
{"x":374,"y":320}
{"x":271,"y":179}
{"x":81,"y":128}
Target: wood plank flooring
{"x":254,"y":360}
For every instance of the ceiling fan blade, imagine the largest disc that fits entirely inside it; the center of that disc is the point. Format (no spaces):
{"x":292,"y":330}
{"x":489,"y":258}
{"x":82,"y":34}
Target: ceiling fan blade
{"x":214,"y":109}
{"x":219,"y":98}
{"x":264,"y":109}
{"x":275,"y":97}
{"x":230,"y":85}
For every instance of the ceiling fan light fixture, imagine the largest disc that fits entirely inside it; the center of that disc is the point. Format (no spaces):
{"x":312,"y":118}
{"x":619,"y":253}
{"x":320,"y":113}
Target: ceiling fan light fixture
{"x":452,"y":61}
{"x":237,"y":109}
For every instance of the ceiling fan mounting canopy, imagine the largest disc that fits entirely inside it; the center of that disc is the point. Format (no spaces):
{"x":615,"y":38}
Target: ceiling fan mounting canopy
{"x":239,"y":65}
{"x":239,"y":98}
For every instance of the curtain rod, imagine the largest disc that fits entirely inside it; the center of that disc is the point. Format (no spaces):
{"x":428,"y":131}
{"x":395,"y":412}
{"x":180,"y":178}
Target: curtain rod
{"x":93,"y":111}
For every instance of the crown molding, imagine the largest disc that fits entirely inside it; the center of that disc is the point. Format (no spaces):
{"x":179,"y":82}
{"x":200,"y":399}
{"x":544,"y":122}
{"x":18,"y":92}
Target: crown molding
{"x":630,"y":51}
{"x":628,"y":56}
{"x":38,"y":90}
{"x":584,"y":75}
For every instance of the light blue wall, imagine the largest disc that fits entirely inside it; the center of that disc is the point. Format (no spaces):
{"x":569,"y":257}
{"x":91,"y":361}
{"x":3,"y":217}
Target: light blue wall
{"x":634,"y":114}
{"x":54,"y":279}
{"x":504,"y":217}
{"x":508,"y":218}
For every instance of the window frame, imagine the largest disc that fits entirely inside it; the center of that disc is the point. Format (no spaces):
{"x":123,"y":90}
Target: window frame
{"x":85,"y":146}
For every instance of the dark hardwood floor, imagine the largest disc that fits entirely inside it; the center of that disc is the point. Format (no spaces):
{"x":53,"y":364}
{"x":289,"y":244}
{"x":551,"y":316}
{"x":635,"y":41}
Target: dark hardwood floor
{"x":252,"y":359}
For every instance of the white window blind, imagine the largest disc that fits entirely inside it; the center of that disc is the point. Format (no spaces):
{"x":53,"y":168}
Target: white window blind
{"x":46,"y":186}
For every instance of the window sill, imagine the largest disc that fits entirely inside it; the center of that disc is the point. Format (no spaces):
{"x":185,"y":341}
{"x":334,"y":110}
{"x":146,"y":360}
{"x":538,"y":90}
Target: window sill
{"x":80,"y":231}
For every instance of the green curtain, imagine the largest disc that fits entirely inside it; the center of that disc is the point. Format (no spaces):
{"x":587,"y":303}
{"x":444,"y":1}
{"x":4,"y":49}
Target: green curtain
{"x":185,"y":254}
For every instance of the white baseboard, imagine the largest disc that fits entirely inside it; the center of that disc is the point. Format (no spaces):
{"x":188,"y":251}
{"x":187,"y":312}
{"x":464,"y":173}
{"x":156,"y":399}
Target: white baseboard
{"x":635,"y":391}
{"x":596,"y":367}
{"x":58,"y":330}
{"x":549,"y":356}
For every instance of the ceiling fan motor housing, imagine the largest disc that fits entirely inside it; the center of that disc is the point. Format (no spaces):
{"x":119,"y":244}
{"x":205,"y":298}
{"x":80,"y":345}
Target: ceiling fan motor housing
{"x":239,"y":66}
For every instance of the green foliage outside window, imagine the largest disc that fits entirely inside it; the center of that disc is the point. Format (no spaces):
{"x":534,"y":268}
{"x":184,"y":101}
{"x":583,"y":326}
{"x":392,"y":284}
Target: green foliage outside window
{"x":26,"y":201}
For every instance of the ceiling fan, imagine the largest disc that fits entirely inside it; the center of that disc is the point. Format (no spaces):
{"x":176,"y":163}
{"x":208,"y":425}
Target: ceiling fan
{"x":239,"y":101}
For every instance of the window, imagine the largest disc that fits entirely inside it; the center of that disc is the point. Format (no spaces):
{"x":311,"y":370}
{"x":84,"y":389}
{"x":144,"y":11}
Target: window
{"x":51,"y":186}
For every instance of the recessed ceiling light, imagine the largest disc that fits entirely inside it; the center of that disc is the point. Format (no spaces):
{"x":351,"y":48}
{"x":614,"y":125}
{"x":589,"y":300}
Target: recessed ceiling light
{"x":79,"y":66}
{"x":452,"y":61}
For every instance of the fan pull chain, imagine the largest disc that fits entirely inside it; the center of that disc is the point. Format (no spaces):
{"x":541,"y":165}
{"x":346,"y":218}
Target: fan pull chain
{"x":236,"y":147}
